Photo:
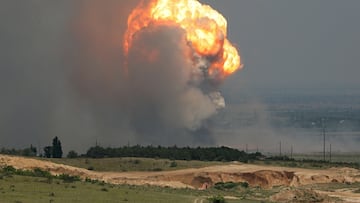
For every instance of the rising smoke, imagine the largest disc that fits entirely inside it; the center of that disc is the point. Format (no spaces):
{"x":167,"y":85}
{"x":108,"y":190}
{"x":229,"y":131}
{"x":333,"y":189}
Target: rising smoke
{"x":64,"y":73}
{"x":157,"y":91}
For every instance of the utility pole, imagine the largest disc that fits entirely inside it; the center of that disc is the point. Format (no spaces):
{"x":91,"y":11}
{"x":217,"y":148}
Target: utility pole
{"x":246,"y":148}
{"x":330,"y":154}
{"x":291,"y":152}
{"x":280,"y":147}
{"x":323,"y":129}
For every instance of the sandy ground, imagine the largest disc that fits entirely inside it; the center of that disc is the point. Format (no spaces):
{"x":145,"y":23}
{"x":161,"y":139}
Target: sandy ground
{"x":201,"y":178}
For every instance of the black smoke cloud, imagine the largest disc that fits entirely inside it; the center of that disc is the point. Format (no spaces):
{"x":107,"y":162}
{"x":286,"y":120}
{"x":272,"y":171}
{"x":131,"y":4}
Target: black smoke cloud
{"x":62,"y":74}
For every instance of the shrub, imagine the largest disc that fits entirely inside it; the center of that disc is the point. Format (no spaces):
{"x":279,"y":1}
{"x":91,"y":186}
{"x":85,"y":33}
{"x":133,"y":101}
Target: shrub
{"x":72,"y":154}
{"x":89,"y":180}
{"x":173,"y":164}
{"x":41,"y":173}
{"x":226,"y":185}
{"x":217,"y":199}
{"x":244,"y":184}
{"x":230,"y":185}
{"x":68,"y":178}
{"x":9,"y":169}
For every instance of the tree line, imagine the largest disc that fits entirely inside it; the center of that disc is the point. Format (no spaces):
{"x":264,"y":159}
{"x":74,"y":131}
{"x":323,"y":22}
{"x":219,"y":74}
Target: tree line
{"x":52,"y":151}
{"x":174,"y":153}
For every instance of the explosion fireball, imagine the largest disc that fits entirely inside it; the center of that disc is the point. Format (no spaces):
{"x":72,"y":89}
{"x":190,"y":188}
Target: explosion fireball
{"x":205,"y":30}
{"x":176,"y":55}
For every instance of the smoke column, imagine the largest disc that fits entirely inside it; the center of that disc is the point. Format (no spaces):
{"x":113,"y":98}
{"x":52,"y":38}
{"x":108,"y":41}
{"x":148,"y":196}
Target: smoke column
{"x":65,"y":72}
{"x":161,"y":83}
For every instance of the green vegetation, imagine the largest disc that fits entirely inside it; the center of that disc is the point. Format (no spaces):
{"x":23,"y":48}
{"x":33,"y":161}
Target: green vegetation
{"x":56,"y":148}
{"x":54,"y":151}
{"x":31,"y":151}
{"x":9,"y":171}
{"x":305,"y":163}
{"x":133,"y":164}
{"x":217,"y":199}
{"x":32,"y":189}
{"x":72,"y":154}
{"x":174,"y":153}
{"x":34,"y":186}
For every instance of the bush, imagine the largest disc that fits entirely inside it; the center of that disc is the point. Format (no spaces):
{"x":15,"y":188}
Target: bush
{"x":9,"y":169}
{"x":41,"y":173}
{"x":68,"y":178}
{"x":244,"y":184}
{"x":173,"y":164}
{"x":226,"y":185}
{"x":72,"y":154}
{"x":104,"y":189}
{"x":230,"y":185}
{"x":217,"y":199}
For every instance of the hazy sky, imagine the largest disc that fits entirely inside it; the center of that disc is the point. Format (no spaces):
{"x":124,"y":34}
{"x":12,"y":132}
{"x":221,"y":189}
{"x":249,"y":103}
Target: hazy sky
{"x":295,"y":43}
{"x":283,"y":43}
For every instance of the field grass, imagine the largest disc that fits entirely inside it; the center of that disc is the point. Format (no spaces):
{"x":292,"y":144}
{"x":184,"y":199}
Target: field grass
{"x":19,"y":189}
{"x":149,"y":164}
{"x":30,"y":189}
{"x":315,"y":161}
{"x":132,"y":164}
{"x":335,"y":157}
{"x":15,"y":188}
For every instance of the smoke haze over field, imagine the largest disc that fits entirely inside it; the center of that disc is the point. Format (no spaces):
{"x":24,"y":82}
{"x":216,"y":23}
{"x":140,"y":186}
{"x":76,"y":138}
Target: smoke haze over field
{"x":76,"y":88}
{"x":62,"y":71}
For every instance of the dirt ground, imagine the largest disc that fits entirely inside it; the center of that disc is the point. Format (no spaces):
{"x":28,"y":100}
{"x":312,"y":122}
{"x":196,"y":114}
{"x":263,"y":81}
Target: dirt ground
{"x":201,"y":178}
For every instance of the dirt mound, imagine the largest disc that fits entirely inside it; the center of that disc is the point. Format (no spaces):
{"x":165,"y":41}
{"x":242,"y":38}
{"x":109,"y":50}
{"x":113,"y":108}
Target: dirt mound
{"x":201,"y":178}
{"x":30,"y":164}
{"x":267,"y":178}
{"x":262,"y":178}
{"x":299,"y":195}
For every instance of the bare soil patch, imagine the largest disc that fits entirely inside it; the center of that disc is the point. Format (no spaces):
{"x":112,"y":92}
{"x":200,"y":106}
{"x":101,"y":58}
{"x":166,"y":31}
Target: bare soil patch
{"x":202,"y":178}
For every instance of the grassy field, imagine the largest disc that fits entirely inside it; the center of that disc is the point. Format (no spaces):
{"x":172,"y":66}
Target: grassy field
{"x":19,"y":189}
{"x":335,"y":157}
{"x":132,"y":164}
{"x":148,"y":164}
{"x":15,"y":188}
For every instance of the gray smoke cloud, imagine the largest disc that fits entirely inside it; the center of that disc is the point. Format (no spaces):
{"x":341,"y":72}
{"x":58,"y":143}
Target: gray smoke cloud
{"x":31,"y":63}
{"x":156,"y":92}
{"x":164,"y":102}
{"x":62,"y":74}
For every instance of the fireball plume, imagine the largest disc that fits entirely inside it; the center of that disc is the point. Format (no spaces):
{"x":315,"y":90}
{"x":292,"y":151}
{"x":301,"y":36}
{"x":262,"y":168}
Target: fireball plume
{"x":205,"y":28}
{"x":176,"y":55}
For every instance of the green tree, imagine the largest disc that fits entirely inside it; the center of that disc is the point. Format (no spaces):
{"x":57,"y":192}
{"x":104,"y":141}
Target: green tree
{"x":56,"y":148}
{"x":72,"y":154}
{"x":31,"y":151}
{"x":48,"y":151}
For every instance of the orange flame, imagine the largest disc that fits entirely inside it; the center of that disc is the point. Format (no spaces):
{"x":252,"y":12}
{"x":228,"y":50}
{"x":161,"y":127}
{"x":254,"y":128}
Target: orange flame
{"x":205,"y":28}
